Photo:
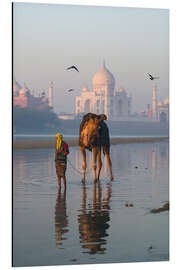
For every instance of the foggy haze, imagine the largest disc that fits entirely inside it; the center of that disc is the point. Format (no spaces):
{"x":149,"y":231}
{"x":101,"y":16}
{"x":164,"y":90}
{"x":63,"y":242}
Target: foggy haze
{"x":49,"y":38}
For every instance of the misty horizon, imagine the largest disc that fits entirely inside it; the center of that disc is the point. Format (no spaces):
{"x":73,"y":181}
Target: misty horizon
{"x":47,"y":38}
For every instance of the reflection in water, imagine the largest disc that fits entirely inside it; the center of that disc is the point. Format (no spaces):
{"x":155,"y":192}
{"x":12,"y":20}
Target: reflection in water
{"x":61,"y":221}
{"x":19,"y":165}
{"x":154,"y":160}
{"x":160,"y":160}
{"x":151,"y":156}
{"x":96,"y":212}
{"x":160,"y":155}
{"x":93,"y":221}
{"x":50,"y":165}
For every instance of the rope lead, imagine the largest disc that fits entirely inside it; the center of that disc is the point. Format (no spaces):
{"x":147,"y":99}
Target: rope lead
{"x":78,"y":171}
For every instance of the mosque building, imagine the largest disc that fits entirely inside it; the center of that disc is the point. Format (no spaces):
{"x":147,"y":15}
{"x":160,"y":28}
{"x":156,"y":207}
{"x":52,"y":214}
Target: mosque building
{"x":23,"y":97}
{"x":104,"y":98}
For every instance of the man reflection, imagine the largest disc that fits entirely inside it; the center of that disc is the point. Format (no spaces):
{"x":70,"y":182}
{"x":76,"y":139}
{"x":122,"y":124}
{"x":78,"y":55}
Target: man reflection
{"x":93,"y":221}
{"x":61,"y":221}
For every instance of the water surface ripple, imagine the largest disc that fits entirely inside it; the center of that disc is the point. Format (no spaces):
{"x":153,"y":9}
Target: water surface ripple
{"x":104,"y":222}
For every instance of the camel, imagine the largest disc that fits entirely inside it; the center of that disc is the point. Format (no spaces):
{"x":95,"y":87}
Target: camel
{"x":94,"y":136}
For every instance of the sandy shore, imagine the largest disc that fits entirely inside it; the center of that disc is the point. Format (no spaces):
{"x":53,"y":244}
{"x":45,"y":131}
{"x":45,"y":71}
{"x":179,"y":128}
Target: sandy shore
{"x":37,"y":144}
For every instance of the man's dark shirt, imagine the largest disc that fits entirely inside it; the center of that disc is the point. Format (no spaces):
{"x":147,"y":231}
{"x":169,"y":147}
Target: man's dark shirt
{"x":61,"y":155}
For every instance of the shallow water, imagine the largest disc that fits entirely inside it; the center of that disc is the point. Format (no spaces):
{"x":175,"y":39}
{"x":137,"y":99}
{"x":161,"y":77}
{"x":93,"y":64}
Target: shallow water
{"x":91,"y":223}
{"x":67,"y":136}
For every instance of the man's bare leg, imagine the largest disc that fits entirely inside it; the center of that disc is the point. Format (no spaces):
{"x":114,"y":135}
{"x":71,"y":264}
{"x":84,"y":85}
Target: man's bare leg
{"x":59,"y":182}
{"x":64,"y":180}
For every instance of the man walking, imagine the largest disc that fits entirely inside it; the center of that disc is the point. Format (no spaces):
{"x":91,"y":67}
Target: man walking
{"x":62,"y":150}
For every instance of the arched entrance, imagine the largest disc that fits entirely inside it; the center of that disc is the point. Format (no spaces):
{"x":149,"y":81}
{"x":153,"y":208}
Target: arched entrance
{"x":87,"y":106}
{"x":97,"y":106}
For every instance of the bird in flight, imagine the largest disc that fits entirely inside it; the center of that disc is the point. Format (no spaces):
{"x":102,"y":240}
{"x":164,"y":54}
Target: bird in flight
{"x":73,"y":67}
{"x":152,"y":78}
{"x":70,"y":90}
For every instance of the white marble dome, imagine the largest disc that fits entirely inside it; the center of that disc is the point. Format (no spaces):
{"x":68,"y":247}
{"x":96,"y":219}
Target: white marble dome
{"x":103,"y":99}
{"x":103,"y":77}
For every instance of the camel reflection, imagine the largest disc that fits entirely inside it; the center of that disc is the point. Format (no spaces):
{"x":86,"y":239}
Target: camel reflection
{"x":93,"y":221}
{"x":61,"y":221}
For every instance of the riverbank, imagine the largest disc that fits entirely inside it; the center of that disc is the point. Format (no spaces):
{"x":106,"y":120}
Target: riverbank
{"x":37,"y":144}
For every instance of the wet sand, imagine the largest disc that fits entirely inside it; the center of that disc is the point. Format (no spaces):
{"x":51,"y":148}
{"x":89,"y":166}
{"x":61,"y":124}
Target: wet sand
{"x":91,"y":223}
{"x":38,"y":144}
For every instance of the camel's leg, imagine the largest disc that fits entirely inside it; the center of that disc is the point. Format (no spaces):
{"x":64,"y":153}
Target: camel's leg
{"x":109,"y":164}
{"x":83,"y":206}
{"x":83,"y":153}
{"x":99,"y":161}
{"x":94,"y":161}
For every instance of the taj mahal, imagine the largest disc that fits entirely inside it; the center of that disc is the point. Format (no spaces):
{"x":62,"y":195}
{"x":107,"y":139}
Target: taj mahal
{"x":104,"y":98}
{"x":116,"y":104}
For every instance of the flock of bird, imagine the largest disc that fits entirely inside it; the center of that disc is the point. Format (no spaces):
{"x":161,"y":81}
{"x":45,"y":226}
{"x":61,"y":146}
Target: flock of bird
{"x":75,"y":68}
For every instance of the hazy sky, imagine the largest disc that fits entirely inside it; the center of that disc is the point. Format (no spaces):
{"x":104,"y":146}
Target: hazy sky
{"x":133,"y":41}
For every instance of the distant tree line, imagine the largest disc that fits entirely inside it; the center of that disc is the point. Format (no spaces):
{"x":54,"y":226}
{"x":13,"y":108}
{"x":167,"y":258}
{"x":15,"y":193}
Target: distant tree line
{"x":26,"y":119}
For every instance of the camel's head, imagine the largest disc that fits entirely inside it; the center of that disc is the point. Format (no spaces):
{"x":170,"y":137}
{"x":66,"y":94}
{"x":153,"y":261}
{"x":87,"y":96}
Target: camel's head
{"x":90,"y":129}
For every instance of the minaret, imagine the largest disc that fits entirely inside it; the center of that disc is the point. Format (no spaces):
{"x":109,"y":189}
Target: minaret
{"x":107,"y":98}
{"x":107,"y":104}
{"x":154,"y":103}
{"x":51,"y":94}
{"x":149,"y":111}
